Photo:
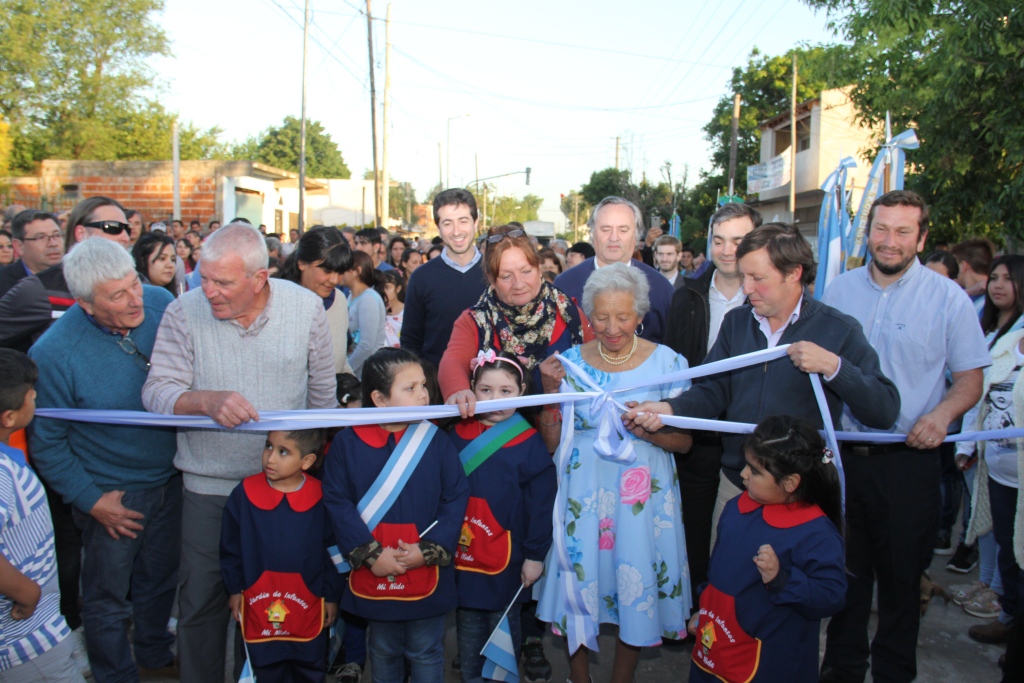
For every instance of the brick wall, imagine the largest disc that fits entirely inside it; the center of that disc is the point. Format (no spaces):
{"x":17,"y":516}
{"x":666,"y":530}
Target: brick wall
{"x":147,"y":187}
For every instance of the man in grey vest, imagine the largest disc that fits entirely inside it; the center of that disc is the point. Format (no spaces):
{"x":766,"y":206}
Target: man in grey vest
{"x":210,"y":358}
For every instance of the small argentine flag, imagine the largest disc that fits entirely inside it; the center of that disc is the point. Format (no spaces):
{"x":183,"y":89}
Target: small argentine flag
{"x":339,"y":561}
{"x":247,"y":675}
{"x":500,"y":653}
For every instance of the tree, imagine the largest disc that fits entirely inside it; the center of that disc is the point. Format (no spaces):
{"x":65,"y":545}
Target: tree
{"x":5,"y":148}
{"x":510,"y":208}
{"x":68,"y":72}
{"x":606,"y":183}
{"x":280,"y":147}
{"x":953,"y":71}
{"x":573,"y":205}
{"x":765,"y":86}
{"x":401,"y":197}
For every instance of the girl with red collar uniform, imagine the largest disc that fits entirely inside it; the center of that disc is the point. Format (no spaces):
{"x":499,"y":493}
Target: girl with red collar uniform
{"x":777,"y":566}
{"x":402,"y":578}
{"x":506,"y":532}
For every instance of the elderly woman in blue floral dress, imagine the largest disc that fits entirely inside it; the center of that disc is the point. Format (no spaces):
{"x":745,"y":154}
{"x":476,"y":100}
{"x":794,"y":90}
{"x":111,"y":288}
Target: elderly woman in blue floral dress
{"x":621,"y":523}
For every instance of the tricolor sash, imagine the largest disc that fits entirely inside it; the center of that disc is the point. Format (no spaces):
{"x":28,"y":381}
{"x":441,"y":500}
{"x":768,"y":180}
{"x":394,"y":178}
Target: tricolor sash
{"x":487,"y":444}
{"x":388,"y":485}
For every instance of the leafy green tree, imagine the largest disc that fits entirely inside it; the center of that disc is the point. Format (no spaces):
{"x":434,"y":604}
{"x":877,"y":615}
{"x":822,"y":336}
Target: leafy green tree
{"x":573,"y":205}
{"x":511,"y":208}
{"x":954,"y":71}
{"x":401,"y":197}
{"x":279,"y":146}
{"x":609,"y":182}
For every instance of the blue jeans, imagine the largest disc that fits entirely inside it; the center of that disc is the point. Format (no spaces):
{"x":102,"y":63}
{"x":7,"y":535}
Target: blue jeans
{"x":1003,"y":501}
{"x":421,"y":641}
{"x":147,"y":568}
{"x":474,"y":628}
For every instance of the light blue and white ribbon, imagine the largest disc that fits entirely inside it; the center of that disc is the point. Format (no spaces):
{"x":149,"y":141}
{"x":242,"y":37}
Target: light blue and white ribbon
{"x":833,"y":226}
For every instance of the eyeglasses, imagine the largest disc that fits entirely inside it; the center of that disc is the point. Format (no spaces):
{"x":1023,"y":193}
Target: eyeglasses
{"x":128,"y":346}
{"x":109,"y":227}
{"x":53,"y":237}
{"x":511,"y":234}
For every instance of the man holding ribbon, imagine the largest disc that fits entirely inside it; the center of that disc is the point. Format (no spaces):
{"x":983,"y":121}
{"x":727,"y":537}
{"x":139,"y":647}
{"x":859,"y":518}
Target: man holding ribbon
{"x":777,"y":264}
{"x":921,"y":324}
{"x":210,"y":359}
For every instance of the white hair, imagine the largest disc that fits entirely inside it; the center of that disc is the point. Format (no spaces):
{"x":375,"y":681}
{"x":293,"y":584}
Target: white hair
{"x":241,"y":239}
{"x":638,"y":217}
{"x":93,"y":261}
{"x":618,"y":277}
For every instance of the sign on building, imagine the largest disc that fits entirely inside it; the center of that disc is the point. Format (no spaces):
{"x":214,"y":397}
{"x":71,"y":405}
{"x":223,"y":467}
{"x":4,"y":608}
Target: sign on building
{"x":769,"y":175}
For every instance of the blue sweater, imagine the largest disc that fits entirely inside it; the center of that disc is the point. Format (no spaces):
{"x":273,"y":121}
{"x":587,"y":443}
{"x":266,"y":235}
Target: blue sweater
{"x":437,"y":294}
{"x":82,"y":366}
{"x":654,"y":323}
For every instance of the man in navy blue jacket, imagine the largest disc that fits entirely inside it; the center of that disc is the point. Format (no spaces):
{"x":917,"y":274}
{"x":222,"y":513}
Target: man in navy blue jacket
{"x":777,"y":264}
{"x":614,"y":230}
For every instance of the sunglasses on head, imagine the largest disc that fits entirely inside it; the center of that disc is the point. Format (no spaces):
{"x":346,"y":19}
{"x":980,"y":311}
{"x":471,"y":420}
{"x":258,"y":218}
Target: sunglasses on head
{"x":511,"y":234}
{"x":109,"y":227}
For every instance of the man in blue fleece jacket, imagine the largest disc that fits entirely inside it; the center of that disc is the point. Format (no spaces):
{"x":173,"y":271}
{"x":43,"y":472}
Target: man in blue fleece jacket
{"x":777,"y":263}
{"x":120,"y":480}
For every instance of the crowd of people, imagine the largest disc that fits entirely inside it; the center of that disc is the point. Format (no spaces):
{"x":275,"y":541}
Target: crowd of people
{"x":571,"y":515}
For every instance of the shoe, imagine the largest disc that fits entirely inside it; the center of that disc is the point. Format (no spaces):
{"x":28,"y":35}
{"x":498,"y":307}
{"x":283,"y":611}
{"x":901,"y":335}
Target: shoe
{"x":964,"y":559}
{"x":984,"y":604}
{"x":992,"y":633}
{"x":536,"y":665}
{"x":943,"y":545}
{"x":960,"y":593}
{"x":161,"y":673}
{"x":79,"y":658}
{"x":830,"y":675}
{"x":348,"y":673}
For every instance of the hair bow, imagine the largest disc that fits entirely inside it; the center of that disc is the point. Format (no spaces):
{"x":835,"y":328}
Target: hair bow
{"x":483,"y":357}
{"x":827,"y":455}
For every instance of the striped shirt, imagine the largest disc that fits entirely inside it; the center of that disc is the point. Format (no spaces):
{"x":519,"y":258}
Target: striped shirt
{"x":26,"y":541}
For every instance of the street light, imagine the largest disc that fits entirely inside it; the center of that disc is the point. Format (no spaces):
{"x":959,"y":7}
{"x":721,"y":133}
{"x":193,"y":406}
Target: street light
{"x":448,"y":153}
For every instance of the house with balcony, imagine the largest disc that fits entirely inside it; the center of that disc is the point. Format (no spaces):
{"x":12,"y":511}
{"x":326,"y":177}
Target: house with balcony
{"x":827,"y":129}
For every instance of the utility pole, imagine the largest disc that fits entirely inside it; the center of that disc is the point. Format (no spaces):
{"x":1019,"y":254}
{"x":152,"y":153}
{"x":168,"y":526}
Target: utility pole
{"x":440,"y":166}
{"x":792,"y":147}
{"x":735,"y":142}
{"x":302,"y":126}
{"x":616,"y":152}
{"x":575,"y":216}
{"x":176,"y":170}
{"x":373,"y":117}
{"x":363,"y":224}
{"x":385,"y":179}
{"x":483,"y":216}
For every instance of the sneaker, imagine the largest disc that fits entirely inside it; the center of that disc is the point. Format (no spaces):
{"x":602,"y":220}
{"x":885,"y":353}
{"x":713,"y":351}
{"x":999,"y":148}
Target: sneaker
{"x":992,"y":633}
{"x":537,"y":667}
{"x":943,"y":545}
{"x":984,"y":604}
{"x":79,"y":658}
{"x":348,"y":673}
{"x":960,"y":593}
{"x":964,"y":559}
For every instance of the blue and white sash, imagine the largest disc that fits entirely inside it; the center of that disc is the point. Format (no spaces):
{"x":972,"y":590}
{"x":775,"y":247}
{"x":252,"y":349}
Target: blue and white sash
{"x":388,"y":485}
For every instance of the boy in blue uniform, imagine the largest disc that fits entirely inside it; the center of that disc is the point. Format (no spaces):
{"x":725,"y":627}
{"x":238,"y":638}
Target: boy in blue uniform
{"x":275,"y":563}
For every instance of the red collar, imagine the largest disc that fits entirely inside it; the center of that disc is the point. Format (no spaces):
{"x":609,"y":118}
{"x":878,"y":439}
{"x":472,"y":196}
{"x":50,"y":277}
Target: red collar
{"x":780,"y":516}
{"x":471,"y":428}
{"x":376,"y":436}
{"x":264,"y":496}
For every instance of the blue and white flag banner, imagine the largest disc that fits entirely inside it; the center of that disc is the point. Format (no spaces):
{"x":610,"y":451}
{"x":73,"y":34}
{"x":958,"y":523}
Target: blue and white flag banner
{"x":499,"y":651}
{"x":833,"y":226}
{"x":891,"y":154}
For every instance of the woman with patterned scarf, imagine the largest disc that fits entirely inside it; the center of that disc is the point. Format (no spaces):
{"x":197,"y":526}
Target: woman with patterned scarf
{"x":519,"y":313}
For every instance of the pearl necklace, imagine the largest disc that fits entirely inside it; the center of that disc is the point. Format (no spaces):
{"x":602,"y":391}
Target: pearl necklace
{"x":619,"y":360}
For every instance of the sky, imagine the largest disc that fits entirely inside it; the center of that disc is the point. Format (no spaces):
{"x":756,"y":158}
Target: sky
{"x":546,"y":85}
